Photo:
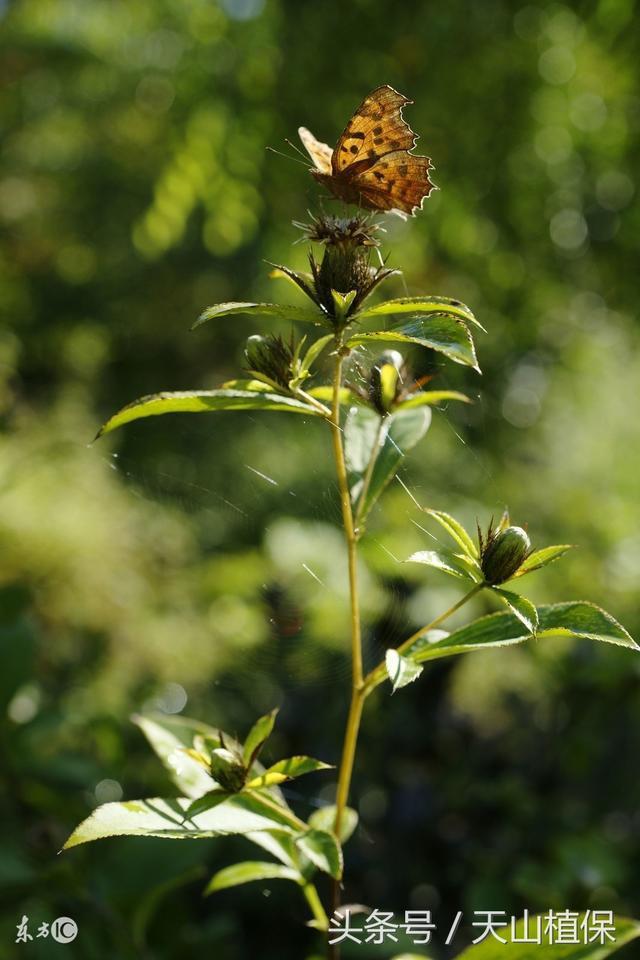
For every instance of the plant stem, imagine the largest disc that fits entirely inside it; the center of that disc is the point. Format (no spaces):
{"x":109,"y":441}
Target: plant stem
{"x":378,"y":674}
{"x":347,"y":520}
{"x":366,"y":483}
{"x":357,"y":697}
{"x":312,"y":898}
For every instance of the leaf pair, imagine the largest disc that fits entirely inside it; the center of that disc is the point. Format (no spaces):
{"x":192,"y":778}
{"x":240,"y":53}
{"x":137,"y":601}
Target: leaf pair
{"x":577,"y":619}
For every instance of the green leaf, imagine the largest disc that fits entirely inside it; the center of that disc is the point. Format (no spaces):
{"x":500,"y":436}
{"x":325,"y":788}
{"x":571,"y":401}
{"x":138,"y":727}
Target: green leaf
{"x":168,"y":818}
{"x":575,"y":619}
{"x":203,"y":401}
{"x":208,"y":801}
{"x":315,"y":350}
{"x":254,"y":386}
{"x":523,"y":608}
{"x":170,"y":737}
{"x":287,"y":769}
{"x":249,"y":871}
{"x":430,"y":398}
{"x":491,"y":949}
{"x":540,"y":558}
{"x":324,"y":392}
{"x":442,"y":333}
{"x":443,"y":560}
{"x":256,"y":737}
{"x":323,"y":850}
{"x":400,"y":432}
{"x":278,"y":843}
{"x":342,"y":302}
{"x":401,"y":670}
{"x":285,"y":311}
{"x":325,"y":817}
{"x":424,"y":306}
{"x":410,"y":956}
{"x":455,"y":530}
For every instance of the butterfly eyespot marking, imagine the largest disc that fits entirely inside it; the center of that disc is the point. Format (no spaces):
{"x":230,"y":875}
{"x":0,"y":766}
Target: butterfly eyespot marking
{"x":378,"y":175}
{"x":378,"y":141}
{"x":377,"y":131}
{"x":353,"y":149}
{"x":402,"y":169}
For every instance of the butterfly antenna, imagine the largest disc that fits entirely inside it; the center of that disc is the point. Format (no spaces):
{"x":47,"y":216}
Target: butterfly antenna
{"x":294,"y":146}
{"x":285,"y":155}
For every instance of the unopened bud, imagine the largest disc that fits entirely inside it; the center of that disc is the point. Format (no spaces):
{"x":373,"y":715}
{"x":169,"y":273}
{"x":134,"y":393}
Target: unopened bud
{"x":504,"y":554}
{"x":227,"y":770}
{"x":383,"y":382}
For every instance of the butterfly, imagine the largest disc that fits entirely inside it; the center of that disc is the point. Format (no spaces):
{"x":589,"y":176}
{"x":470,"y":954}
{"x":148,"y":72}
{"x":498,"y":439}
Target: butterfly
{"x":371,"y":164}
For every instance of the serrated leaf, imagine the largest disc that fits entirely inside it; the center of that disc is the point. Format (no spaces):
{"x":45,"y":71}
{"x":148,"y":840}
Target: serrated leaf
{"x":249,"y":871}
{"x":287,"y":769}
{"x":171,"y":738}
{"x":426,"y":306}
{"x":288,"y":312}
{"x":325,"y":817}
{"x":242,"y":813}
{"x":440,"y":332}
{"x":576,"y":619}
{"x":523,"y":608}
{"x":430,"y":398}
{"x":444,"y":560}
{"x":455,"y":530}
{"x":323,"y":850}
{"x":203,"y":401}
{"x":400,"y":433}
{"x":540,"y":558}
{"x":401,"y":670}
{"x":259,"y":733}
{"x":491,"y":949}
{"x":303,"y":281}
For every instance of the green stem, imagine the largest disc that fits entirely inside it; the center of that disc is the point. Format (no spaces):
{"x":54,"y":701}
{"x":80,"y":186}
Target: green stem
{"x":366,"y":483}
{"x":320,"y":407}
{"x":357,"y":697}
{"x":312,"y":898}
{"x":379,"y":673}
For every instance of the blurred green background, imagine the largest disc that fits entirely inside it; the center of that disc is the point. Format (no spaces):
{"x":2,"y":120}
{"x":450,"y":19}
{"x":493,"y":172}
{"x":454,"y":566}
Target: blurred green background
{"x":159,"y":570}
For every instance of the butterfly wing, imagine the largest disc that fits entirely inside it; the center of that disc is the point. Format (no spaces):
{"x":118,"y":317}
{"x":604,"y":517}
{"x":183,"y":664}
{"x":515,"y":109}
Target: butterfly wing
{"x":397,"y":181}
{"x":320,"y":153}
{"x":376,"y":128}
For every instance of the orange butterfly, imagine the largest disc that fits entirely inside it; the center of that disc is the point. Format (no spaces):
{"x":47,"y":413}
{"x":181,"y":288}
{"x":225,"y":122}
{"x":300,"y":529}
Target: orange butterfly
{"x":371,"y":164}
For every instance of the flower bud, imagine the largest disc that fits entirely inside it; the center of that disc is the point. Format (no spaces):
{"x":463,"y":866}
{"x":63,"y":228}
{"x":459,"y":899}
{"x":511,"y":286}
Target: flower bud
{"x":271,"y":356}
{"x":227,"y":770}
{"x":383,"y":381}
{"x":504,"y":553}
